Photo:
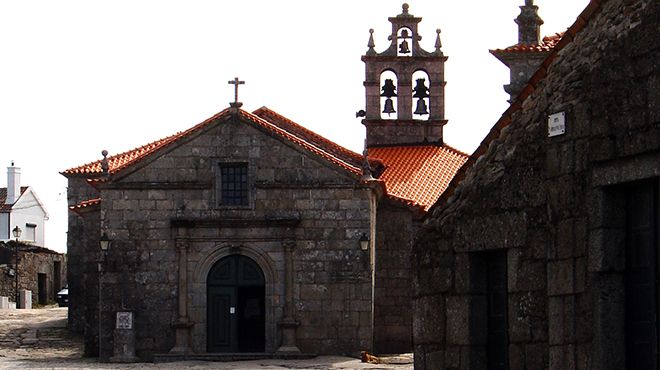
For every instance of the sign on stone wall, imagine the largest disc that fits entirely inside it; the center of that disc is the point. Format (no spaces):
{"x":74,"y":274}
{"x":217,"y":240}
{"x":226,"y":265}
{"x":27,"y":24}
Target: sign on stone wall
{"x":125,"y":320}
{"x":556,"y":124}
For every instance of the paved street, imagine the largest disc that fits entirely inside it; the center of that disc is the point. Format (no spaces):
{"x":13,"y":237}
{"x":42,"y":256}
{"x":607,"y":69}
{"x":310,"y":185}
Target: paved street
{"x":38,"y":339}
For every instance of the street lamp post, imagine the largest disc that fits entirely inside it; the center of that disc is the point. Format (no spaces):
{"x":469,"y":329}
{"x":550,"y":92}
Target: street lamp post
{"x":17,"y":234}
{"x":104,"y":243}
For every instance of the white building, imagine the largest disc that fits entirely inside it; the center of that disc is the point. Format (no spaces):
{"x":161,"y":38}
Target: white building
{"x":20,"y":206}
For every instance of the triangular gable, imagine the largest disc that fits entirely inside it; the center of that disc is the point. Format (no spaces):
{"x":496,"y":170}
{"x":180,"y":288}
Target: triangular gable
{"x":282,"y":129}
{"x":27,"y":192}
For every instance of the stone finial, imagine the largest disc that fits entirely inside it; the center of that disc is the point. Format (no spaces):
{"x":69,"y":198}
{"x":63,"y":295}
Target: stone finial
{"x":404,"y":11}
{"x":371,"y":44}
{"x":366,"y":167}
{"x":105,"y":167}
{"x":529,"y":24}
{"x":438,"y":43}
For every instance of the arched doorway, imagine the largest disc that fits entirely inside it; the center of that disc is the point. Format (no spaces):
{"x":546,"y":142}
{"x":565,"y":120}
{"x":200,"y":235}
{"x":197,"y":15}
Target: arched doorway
{"x":236,"y":314}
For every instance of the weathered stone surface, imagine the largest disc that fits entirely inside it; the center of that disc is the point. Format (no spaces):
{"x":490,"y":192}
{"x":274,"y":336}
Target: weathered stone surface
{"x":555,"y":205}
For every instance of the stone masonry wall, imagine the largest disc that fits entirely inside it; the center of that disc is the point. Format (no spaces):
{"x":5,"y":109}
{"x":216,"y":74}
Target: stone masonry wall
{"x":392,"y":294}
{"x":543,"y":203}
{"x":30,"y":265}
{"x":332,"y":288}
{"x":83,"y":255}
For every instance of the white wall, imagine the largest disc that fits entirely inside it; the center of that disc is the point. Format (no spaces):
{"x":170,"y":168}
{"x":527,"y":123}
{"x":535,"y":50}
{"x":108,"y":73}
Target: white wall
{"x":27,"y":210}
{"x":4,"y":226}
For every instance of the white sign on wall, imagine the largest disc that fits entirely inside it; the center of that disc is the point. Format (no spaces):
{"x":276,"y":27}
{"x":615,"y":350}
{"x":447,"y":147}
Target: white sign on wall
{"x":124,"y":320}
{"x":556,"y":124}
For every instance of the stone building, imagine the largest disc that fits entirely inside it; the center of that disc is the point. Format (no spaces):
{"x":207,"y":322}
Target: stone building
{"x":250,"y":233}
{"x":40,"y":270}
{"x":543,"y":251}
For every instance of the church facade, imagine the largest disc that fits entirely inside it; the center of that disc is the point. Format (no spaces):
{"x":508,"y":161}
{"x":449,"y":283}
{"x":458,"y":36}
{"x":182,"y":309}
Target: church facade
{"x":543,"y":252}
{"x":248,"y":233}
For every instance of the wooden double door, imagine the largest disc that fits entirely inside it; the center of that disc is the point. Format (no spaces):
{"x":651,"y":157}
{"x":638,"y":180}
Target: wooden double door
{"x":236,"y":314}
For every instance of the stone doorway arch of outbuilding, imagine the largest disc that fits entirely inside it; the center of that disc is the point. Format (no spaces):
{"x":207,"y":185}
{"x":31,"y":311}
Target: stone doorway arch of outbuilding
{"x":202,"y":292}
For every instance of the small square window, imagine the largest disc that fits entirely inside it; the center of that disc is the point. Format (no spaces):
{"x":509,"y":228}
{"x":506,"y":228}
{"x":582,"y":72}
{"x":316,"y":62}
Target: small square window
{"x":30,"y":232}
{"x":234,"y":184}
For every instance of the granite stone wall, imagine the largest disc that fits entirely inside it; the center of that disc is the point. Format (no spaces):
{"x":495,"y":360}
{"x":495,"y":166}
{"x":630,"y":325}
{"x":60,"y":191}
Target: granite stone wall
{"x":83,"y":252}
{"x":392,"y":293}
{"x":293,"y":197}
{"x":32,"y":262}
{"x":549,"y":205}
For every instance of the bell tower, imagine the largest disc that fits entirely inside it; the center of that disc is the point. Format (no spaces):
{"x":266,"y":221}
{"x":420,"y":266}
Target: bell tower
{"x":405,"y":86}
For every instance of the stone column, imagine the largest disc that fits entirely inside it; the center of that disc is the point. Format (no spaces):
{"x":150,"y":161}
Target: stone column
{"x":288,"y":323}
{"x":182,"y":324}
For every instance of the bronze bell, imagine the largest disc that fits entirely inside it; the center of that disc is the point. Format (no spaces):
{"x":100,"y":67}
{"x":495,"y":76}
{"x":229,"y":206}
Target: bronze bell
{"x":389,"y":106}
{"x":403,"y":47}
{"x":389,"y":90}
{"x":420,"y":90}
{"x":421,"y":107}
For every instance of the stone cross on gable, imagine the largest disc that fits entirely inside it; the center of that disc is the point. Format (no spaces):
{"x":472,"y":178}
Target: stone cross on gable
{"x":236,"y":82}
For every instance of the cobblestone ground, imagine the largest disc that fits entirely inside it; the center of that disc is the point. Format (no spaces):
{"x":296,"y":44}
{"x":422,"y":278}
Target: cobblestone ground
{"x":38,"y":339}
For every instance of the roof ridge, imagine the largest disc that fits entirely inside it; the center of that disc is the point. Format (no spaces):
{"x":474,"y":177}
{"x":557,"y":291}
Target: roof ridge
{"x":144,"y":150}
{"x":343,"y":150}
{"x":546,"y":44}
{"x":301,"y":142}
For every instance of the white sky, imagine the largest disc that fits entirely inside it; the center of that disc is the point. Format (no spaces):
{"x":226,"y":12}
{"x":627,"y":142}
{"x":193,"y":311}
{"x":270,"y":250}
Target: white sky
{"x":77,"y":77}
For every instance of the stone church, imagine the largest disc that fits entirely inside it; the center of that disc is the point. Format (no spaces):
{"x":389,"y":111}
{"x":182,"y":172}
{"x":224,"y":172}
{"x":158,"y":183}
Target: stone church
{"x":543,"y":251}
{"x":248,"y":233}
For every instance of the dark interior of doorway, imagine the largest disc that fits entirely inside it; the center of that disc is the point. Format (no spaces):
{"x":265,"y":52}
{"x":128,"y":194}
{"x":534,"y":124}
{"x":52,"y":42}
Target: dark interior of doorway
{"x":251,"y":320}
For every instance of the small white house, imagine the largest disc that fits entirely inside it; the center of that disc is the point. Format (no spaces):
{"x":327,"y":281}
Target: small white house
{"x":20,"y":206}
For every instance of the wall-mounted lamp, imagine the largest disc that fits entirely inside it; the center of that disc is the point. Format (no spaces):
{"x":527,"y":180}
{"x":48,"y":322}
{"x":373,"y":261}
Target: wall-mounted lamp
{"x":364,"y":242}
{"x":104,"y":242}
{"x":17,"y":232}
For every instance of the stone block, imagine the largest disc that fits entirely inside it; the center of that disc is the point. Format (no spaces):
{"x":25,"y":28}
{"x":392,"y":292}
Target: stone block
{"x":516,"y":356}
{"x":560,"y":277}
{"x":560,"y":321}
{"x":561,"y":357}
{"x":430,"y":316}
{"x":536,"y":356}
{"x":4,"y":303}
{"x":25,"y":299}
{"x":606,"y":250}
{"x":458,"y":320}
{"x":565,"y":239}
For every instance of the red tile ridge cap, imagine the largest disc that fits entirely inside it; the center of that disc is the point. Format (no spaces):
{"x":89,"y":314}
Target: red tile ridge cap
{"x":301,"y":142}
{"x":327,"y":144}
{"x":85,"y":204}
{"x":505,"y":120}
{"x":124,"y":159}
{"x":547,"y":44}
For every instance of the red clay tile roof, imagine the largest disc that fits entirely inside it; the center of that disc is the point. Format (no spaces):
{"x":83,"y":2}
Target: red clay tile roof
{"x":120,"y":161}
{"x":271,"y":121}
{"x":418,"y":175}
{"x":566,"y":38}
{"x":302,"y":142}
{"x":85,"y":204}
{"x":3,"y":198}
{"x":313,"y":138}
{"x":547,"y":44}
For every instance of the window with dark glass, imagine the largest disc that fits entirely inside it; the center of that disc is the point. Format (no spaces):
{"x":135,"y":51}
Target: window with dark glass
{"x":234,"y":184}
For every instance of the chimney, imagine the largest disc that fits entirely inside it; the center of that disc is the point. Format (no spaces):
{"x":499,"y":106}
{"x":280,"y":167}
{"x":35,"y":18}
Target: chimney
{"x":13,"y":184}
